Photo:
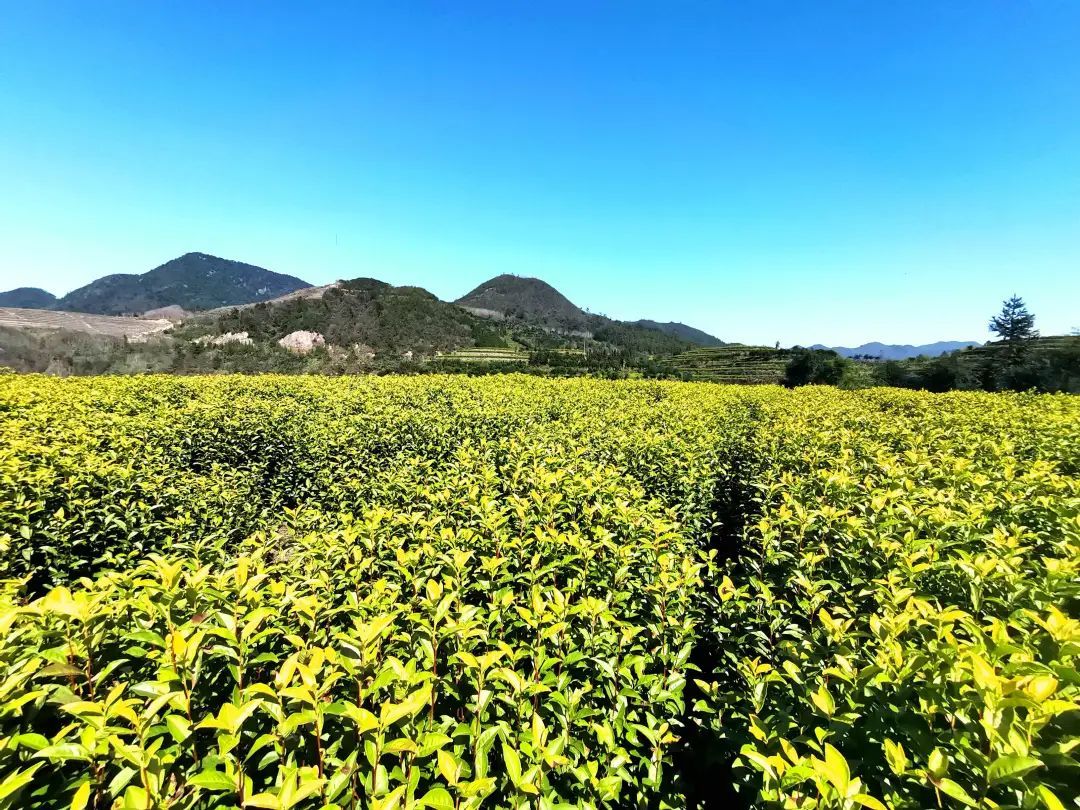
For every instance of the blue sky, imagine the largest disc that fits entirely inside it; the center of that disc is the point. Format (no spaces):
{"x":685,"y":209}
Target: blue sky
{"x":831,"y":172}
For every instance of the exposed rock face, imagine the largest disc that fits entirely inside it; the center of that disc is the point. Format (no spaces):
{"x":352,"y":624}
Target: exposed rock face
{"x":302,"y":342}
{"x":173,"y":312}
{"x":228,"y":337}
{"x":493,"y":314}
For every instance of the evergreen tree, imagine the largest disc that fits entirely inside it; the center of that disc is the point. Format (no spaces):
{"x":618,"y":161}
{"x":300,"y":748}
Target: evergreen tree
{"x":1014,"y":323}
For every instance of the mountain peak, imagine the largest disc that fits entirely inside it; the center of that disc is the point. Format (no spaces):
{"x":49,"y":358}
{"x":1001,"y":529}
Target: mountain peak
{"x":194,"y":281}
{"x":526,"y":298}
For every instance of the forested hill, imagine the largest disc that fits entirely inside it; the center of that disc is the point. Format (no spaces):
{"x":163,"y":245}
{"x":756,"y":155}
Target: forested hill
{"x":194,"y":281}
{"x":534,"y":301}
{"x":27,"y":298}
{"x":376,"y":316}
{"x":528,"y":299}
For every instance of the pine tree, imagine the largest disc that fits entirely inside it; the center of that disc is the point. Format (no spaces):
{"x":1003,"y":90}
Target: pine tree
{"x":1014,"y":323}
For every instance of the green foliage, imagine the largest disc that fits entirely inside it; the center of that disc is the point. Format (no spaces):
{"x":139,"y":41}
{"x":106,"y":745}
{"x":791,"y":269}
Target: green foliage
{"x":1014,"y":323}
{"x":363,"y":312}
{"x":1042,"y":364}
{"x":513,"y":592}
{"x":900,"y":630}
{"x":638,"y":340}
{"x":815,"y":367}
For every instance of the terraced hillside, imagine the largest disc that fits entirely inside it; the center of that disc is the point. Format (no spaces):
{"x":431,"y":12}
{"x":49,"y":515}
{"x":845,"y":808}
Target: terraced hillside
{"x":735,"y":363}
{"x":484,"y":355}
{"x":108,"y":325}
{"x":1046,"y":363}
{"x":1043,"y":344}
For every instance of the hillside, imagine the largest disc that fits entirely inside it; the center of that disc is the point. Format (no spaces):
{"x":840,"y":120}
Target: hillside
{"x":528,"y":299}
{"x":79,"y":322}
{"x":523,"y":303}
{"x":682,"y":331}
{"x":194,"y":281}
{"x":734,"y":363}
{"x":27,"y":298}
{"x":392,"y":321}
{"x":362,"y":312}
{"x":1054,"y":359}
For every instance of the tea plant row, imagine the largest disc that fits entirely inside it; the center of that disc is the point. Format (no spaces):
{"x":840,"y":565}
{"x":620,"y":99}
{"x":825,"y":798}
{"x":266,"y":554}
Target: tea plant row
{"x":509,"y":592}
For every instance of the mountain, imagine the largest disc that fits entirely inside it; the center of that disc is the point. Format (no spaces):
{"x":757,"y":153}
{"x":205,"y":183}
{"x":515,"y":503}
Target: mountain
{"x":528,"y":299}
{"x":193,"y":281}
{"x":893,"y":351}
{"x":681,"y":330}
{"x":27,"y":298}
{"x":392,"y":320}
{"x":533,"y":302}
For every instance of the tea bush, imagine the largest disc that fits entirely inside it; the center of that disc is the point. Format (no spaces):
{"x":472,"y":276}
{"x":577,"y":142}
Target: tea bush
{"x":510,"y":592}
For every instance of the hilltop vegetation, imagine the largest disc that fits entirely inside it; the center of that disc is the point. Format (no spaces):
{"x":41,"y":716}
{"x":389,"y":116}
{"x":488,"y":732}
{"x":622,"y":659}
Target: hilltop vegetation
{"x":683,"y":332}
{"x":444,"y":592}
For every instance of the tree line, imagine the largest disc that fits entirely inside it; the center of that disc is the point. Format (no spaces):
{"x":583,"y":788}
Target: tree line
{"x":1020,"y":360}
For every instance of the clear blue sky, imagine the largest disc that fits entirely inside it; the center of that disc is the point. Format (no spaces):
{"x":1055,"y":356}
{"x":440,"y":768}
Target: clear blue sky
{"x":830,"y":172}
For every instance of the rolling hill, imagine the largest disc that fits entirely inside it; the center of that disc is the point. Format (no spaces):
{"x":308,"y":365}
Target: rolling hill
{"x":362,"y":312}
{"x":194,"y":281}
{"x":536,"y":303}
{"x":528,"y":299}
{"x":682,"y":331}
{"x":27,"y":298}
{"x":393,"y":320}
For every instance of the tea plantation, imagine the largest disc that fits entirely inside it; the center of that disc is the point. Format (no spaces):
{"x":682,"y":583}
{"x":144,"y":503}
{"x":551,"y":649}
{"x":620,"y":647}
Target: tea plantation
{"x":513,"y":592}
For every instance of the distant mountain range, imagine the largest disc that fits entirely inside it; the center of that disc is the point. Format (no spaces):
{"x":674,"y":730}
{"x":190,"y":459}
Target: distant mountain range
{"x":893,"y":351}
{"x":215,"y":296}
{"x":505,"y":311}
{"x":194,"y":281}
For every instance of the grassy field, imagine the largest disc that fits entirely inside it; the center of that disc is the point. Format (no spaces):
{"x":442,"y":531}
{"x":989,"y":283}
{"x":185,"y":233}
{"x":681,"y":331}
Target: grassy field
{"x":448,"y":592}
